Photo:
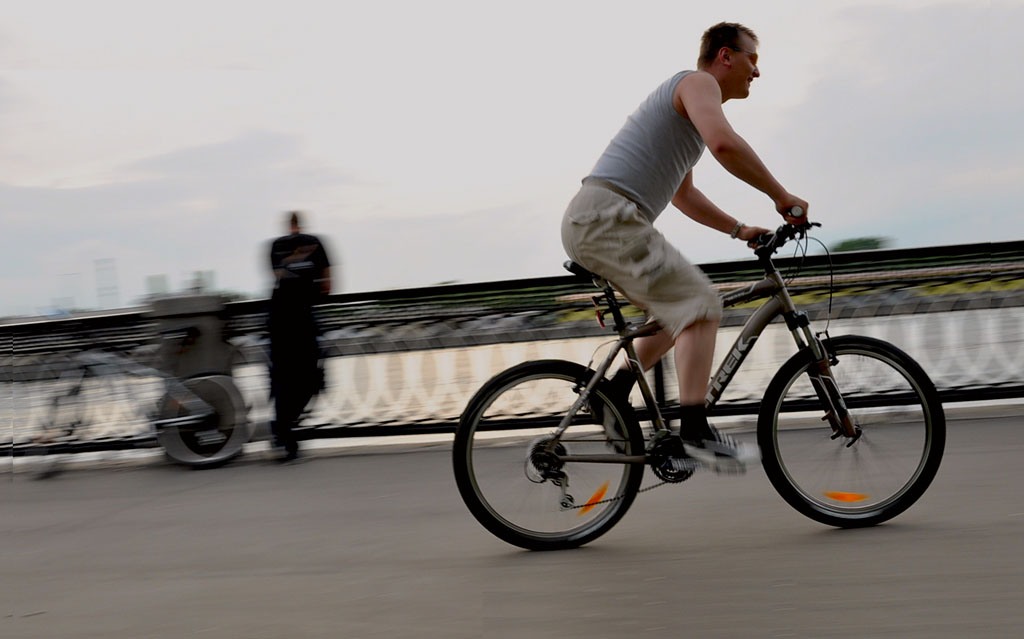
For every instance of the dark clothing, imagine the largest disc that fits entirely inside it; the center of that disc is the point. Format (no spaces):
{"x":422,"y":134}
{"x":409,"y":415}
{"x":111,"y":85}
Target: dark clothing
{"x":299,"y":261}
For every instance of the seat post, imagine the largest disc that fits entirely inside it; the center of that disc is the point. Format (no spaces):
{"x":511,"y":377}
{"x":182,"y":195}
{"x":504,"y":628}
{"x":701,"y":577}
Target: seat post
{"x":614,"y":307}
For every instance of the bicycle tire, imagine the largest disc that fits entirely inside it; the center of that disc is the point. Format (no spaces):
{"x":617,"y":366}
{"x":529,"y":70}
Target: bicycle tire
{"x":228,"y":426}
{"x":881,"y":474}
{"x":498,"y":460}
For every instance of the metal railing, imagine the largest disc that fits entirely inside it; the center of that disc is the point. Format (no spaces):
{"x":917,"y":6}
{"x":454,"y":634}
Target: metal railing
{"x":407,"y":360}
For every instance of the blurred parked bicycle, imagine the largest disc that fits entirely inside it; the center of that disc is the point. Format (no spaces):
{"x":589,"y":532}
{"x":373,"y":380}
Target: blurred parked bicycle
{"x":200,"y":421}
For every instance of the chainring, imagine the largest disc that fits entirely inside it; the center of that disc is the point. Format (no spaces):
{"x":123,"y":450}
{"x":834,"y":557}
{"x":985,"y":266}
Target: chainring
{"x":661,"y":451}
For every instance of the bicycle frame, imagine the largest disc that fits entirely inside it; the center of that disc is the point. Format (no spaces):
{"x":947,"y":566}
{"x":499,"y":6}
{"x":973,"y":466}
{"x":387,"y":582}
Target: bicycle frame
{"x":97,"y":363}
{"x":780,"y":303}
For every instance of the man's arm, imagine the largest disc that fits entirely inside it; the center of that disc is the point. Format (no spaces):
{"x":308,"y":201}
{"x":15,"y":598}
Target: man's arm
{"x":325,"y":281}
{"x":696,"y":206}
{"x":324,"y":268}
{"x":275,"y":266}
{"x":700,"y":98}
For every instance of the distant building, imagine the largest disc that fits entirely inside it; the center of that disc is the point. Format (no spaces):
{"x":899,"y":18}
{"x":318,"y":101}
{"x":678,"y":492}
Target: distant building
{"x":201,"y":281}
{"x":107,"y":292}
{"x":156,"y":286}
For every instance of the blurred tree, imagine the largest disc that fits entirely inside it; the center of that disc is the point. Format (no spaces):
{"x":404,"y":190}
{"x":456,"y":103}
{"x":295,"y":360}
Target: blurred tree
{"x":861,"y":244}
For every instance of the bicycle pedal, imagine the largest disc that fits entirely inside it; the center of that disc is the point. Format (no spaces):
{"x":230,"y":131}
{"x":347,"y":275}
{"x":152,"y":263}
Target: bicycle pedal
{"x":730,"y":468}
{"x":683,"y":464}
{"x":719,"y":463}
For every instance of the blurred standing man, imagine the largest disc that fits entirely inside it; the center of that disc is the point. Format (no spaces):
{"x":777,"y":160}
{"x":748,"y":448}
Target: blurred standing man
{"x":302,"y":277}
{"x":608,"y":227}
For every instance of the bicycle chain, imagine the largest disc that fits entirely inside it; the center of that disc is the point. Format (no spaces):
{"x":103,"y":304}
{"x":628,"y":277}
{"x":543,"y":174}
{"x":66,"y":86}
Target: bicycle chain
{"x":614,"y":499}
{"x":641,"y":490}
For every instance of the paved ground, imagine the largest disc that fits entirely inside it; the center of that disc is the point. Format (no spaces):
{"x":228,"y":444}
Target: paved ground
{"x":380,"y":545}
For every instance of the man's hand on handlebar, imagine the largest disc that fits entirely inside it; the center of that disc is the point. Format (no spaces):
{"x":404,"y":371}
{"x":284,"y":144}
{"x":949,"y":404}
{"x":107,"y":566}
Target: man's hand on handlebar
{"x":793,"y":209}
{"x":749,"y":234}
{"x":767,"y":243}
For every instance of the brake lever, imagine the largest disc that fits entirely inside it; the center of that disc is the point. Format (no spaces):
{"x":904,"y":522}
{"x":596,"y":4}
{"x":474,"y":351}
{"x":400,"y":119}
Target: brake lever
{"x":804,"y":228}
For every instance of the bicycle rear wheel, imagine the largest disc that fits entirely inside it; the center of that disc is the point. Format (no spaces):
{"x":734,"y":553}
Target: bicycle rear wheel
{"x":882,"y":473}
{"x":508,"y":469}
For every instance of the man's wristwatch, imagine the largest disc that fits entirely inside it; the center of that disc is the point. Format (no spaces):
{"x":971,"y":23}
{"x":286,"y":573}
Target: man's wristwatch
{"x":736,"y":231}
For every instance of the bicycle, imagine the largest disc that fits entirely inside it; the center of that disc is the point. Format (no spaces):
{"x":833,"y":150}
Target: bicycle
{"x":199,"y":421}
{"x":851,"y":429}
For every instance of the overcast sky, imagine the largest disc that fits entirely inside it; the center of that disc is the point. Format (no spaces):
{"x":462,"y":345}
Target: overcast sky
{"x":440,"y":141}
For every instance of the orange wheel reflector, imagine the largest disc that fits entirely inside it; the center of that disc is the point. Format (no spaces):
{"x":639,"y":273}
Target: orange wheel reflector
{"x":596,"y":497}
{"x":848,"y":497}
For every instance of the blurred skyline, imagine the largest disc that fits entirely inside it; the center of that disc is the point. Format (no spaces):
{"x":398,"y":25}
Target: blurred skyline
{"x":441,"y":141}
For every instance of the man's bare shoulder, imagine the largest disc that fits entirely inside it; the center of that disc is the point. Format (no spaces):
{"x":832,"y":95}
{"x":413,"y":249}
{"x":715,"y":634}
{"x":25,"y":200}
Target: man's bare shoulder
{"x":696,"y":88}
{"x":698,"y":83}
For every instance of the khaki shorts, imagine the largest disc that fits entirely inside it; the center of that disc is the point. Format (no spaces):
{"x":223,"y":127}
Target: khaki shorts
{"x":606,"y":233}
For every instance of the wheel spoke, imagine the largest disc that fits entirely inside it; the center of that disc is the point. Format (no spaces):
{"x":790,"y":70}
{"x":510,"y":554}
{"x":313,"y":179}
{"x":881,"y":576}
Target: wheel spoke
{"x":863,"y":482}
{"x":546,"y":502}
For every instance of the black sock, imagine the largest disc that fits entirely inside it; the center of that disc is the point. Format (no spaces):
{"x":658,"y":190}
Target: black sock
{"x":694,"y":423}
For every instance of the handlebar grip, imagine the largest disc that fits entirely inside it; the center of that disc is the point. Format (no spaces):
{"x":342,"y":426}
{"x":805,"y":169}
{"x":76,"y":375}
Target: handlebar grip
{"x":796,"y":211}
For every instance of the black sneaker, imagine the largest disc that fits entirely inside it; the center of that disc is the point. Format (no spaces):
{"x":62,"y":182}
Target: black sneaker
{"x":721,"y":453}
{"x":289,"y":457}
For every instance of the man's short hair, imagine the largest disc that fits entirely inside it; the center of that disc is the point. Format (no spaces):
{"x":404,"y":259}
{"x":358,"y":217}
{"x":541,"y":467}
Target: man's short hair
{"x":295,"y":218}
{"x":723,"y":34}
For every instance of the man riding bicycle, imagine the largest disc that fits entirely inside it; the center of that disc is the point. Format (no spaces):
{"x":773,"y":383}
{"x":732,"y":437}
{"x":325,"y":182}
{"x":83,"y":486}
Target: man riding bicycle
{"x":608,"y":226}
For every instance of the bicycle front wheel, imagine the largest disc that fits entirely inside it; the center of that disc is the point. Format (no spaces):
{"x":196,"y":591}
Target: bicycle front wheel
{"x":882,"y":473}
{"x":510,"y":471}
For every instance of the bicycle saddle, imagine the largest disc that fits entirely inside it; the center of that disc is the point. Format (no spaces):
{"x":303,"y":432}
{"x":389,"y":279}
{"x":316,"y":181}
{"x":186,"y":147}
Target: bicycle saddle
{"x":579,"y":271}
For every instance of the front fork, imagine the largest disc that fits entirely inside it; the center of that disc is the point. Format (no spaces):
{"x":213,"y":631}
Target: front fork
{"x":819,"y":371}
{"x":824,"y":383}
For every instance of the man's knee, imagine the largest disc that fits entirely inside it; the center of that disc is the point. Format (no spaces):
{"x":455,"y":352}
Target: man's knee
{"x":698,"y":328}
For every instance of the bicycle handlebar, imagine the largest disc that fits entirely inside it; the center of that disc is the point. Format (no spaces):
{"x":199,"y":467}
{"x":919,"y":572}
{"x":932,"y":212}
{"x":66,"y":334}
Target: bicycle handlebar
{"x":769,"y":243}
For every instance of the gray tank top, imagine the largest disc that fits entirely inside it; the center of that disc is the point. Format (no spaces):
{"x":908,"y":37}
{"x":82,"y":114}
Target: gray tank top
{"x":652,"y":153}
